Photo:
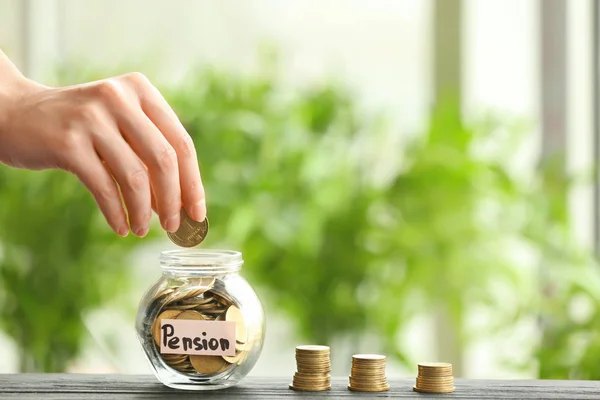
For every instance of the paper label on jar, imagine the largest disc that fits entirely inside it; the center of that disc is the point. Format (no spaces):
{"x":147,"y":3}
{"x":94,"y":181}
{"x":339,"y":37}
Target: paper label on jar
{"x":212,"y":338}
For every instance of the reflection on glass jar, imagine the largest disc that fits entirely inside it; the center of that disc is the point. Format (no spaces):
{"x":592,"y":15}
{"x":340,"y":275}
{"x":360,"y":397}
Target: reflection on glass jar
{"x":201,"y":325}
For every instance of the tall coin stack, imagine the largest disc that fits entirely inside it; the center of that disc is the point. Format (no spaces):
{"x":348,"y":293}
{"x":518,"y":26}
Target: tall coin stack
{"x":435,"y":378}
{"x":368,"y":373}
{"x":313,"y":369}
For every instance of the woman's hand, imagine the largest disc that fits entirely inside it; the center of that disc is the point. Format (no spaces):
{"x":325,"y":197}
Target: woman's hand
{"x":118,"y":136}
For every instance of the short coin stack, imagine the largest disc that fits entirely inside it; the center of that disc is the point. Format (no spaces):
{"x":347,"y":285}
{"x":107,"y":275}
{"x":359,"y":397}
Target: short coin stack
{"x":368,"y":373}
{"x":435,"y":378}
{"x":313,"y":369}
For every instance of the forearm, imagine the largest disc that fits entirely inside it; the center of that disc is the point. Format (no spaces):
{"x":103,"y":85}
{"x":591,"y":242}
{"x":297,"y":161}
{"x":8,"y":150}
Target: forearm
{"x":13,"y":86}
{"x":11,"y":79}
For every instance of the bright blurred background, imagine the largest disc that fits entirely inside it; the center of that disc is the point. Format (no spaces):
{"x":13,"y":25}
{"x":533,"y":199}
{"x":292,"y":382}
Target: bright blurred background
{"x":402,"y":176}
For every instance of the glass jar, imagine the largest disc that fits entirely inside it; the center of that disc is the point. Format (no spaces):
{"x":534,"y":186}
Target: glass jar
{"x":201,"y":325}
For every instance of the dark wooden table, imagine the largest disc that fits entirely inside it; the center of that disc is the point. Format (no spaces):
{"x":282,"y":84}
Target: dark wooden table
{"x":91,"y":387}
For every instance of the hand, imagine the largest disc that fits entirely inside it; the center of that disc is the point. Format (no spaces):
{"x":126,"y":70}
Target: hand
{"x":118,"y":136}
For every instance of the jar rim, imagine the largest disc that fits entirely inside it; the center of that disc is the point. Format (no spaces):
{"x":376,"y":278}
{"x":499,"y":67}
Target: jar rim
{"x":201,"y":260}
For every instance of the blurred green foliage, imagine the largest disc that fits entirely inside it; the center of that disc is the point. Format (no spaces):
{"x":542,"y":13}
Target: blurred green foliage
{"x":355,"y":232}
{"x":349,"y":233}
{"x":349,"y":229}
{"x":58,"y":261}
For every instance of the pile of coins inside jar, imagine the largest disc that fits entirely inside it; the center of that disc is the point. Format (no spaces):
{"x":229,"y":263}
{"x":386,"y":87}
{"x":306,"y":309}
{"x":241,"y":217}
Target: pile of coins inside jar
{"x":198,"y":299}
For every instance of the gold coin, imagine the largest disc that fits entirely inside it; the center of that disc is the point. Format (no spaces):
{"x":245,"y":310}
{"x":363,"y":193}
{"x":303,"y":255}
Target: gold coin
{"x":239,"y":346}
{"x":434,"y":375}
{"x":421,"y":382}
{"x":190,"y":233}
{"x":312,"y":369}
{"x":314,"y":372}
{"x":225,"y":368}
{"x":219,"y":297}
{"x":178,"y":362}
{"x":299,"y":381}
{"x":435,"y":370}
{"x":311,"y":360}
{"x":368,"y":370}
{"x":164,"y":293}
{"x":167,"y":314}
{"x":308,"y":360}
{"x":315,"y":356}
{"x":191,"y":314}
{"x":312,"y":386}
{"x":195,"y":292}
{"x":181,"y":307}
{"x":369,"y":364}
{"x":311,"y":377}
{"x":208,"y":364}
{"x":445,"y":390}
{"x":429,"y":384}
{"x":368,"y":357}
{"x":316,"y":365}
{"x":220,"y":317}
{"x":367,"y":374}
{"x":435,"y":380}
{"x":435,"y":365}
{"x":313,"y":365}
{"x":309,"y":389}
{"x":174,"y":358}
{"x":311,"y":348}
{"x":368,"y":379}
{"x":234,"y":359}
{"x":308,"y":382}
{"x":199,"y":302}
{"x":354,"y":383}
{"x":235,"y":314}
{"x":210,"y":308}
{"x":205,"y":283}
{"x":435,"y":388}
{"x":373,"y":389}
{"x":314,"y":377}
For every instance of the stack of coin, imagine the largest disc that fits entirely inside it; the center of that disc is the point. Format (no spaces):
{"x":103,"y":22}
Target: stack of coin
{"x":313,"y":369}
{"x":368,"y":373}
{"x":197,"y":299}
{"x":435,"y":378}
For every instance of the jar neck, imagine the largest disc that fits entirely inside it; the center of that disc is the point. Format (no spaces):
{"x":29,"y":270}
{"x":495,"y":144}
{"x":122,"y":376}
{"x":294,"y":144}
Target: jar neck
{"x":200,"y":262}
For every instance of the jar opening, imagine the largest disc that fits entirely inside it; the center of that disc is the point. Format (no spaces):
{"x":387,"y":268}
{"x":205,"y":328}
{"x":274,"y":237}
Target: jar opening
{"x":201,"y":261}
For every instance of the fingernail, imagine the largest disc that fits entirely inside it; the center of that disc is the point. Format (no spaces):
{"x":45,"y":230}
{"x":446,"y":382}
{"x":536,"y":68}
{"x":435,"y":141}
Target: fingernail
{"x":199,"y":211}
{"x":141,"y":232}
{"x":123,"y":231}
{"x":172,"y":224}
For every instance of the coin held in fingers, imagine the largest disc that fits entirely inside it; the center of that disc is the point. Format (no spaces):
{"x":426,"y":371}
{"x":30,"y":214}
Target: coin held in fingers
{"x":190,"y":233}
